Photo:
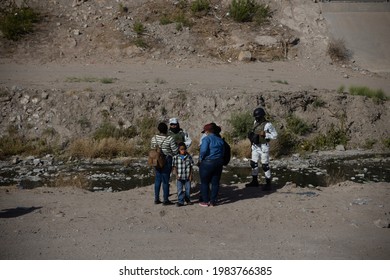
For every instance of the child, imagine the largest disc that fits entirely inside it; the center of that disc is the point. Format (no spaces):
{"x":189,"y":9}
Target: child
{"x":182,"y":167}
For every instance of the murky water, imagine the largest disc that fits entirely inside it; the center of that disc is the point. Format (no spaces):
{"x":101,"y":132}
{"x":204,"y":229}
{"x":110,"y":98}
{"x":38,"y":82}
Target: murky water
{"x":117,"y":177}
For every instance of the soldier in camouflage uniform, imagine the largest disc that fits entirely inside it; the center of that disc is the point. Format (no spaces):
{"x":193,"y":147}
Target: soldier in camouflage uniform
{"x":260,"y":136}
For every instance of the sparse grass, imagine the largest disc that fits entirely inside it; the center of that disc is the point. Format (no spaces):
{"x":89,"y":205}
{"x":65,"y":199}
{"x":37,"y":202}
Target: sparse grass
{"x":16,"y":22}
{"x":147,"y":127}
{"x":386,"y":143}
{"x":369,"y":143}
{"x":377,"y":95}
{"x":81,"y":80}
{"x":104,"y":80}
{"x":107,"y":80}
{"x":16,"y":144}
{"x":181,"y":21}
{"x":164,"y":20}
{"x":199,"y":6}
{"x":284,"y":82}
{"x":285,"y":144}
{"x":108,"y":130}
{"x":123,"y":9}
{"x":241,"y":149}
{"x":139,"y":28}
{"x":84,"y":123}
{"x":341,"y":89}
{"x":78,"y":181}
{"x":335,"y":177}
{"x":297,"y":126}
{"x":262,"y":14}
{"x":102,"y":148}
{"x":182,"y":4}
{"x":109,"y":141}
{"x":160,"y":81}
{"x":337,"y":50}
{"x":319,"y":103}
{"x":50,"y":131}
{"x":141,"y":43}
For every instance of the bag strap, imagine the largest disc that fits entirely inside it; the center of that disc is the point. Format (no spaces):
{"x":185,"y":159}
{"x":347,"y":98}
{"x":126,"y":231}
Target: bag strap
{"x":257,"y":125}
{"x":160,"y":145}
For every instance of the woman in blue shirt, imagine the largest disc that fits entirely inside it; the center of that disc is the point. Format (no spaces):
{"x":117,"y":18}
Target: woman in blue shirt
{"x":211,"y":164}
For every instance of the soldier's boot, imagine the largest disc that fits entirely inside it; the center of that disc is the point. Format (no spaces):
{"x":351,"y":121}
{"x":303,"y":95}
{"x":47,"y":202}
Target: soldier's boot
{"x":267,"y":186}
{"x":254,"y":183}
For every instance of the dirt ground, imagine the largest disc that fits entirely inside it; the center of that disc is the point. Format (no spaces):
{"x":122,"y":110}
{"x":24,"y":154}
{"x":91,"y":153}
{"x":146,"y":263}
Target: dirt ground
{"x":344,"y":221}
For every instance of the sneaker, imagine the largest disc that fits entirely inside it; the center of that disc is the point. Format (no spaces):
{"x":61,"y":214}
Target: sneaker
{"x":178,"y":204}
{"x":168,"y":202}
{"x":212,"y":204}
{"x":203,"y":204}
{"x":157,"y":201}
{"x":189,"y":202}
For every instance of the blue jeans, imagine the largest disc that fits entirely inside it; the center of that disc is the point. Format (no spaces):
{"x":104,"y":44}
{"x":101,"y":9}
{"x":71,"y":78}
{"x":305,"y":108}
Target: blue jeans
{"x":186,"y":193}
{"x":162,"y":176}
{"x":210,"y":172}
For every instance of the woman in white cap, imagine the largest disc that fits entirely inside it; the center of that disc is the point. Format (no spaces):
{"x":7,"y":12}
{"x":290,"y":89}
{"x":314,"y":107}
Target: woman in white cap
{"x":178,"y":134}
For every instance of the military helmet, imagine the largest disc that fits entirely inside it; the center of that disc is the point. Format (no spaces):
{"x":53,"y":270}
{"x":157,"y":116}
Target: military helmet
{"x":258,"y":113}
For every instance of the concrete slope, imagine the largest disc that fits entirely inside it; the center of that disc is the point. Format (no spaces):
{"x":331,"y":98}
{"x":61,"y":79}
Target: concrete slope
{"x":365,"y":28}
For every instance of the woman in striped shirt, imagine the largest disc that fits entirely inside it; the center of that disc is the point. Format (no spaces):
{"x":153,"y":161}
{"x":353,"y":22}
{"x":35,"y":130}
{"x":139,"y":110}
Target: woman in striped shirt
{"x":169,"y":149}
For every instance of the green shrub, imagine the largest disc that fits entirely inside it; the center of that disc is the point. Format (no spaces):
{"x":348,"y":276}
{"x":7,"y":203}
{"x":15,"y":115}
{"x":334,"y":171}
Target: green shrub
{"x":331,"y":139}
{"x":249,"y":10}
{"x":200,"y":6}
{"x":297,"y":126}
{"x":17,"y":22}
{"x":242,"y":10}
{"x":241,"y":123}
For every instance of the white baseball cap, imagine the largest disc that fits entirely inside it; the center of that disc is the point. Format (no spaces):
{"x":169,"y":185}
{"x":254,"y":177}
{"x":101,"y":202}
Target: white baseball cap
{"x":173,"y":121}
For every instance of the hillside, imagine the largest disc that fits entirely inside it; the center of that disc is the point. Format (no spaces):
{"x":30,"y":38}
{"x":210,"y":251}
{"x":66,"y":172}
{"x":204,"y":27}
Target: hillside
{"x":202,"y":72}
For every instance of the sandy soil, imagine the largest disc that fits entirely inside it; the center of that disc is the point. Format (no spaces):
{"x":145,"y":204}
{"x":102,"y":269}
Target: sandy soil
{"x":345,"y":221}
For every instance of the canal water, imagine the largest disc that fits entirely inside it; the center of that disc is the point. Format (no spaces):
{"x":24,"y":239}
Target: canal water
{"x":113,"y":177}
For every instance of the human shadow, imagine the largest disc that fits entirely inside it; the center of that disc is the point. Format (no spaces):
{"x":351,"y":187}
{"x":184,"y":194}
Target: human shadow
{"x":16,"y":212}
{"x":233,"y":193}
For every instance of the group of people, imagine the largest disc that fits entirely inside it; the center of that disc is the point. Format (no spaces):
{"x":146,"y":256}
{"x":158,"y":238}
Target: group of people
{"x":174,"y":142}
